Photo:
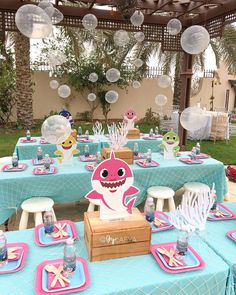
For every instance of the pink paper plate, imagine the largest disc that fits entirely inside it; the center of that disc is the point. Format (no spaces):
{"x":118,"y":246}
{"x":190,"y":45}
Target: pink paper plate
{"x":224,"y":209}
{"x":10,"y":168}
{"x":184,"y":269}
{"x":140,"y":156}
{"x":190,"y":161}
{"x":43,"y":141}
{"x":232,"y":235}
{"x":90,"y":167}
{"x":150,"y":137}
{"x":28,"y":141}
{"x":54,"y":242}
{"x":84,"y":140}
{"x":142,"y":163}
{"x":37,"y":162}
{"x":42,"y":171}
{"x":90,"y":158}
{"x":23,"y":259}
{"x":164,"y":217}
{"x":202,"y":156}
{"x":39,"y":272}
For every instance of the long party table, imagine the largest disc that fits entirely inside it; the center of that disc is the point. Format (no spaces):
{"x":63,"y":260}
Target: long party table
{"x":137,"y":275}
{"x":72,"y":182}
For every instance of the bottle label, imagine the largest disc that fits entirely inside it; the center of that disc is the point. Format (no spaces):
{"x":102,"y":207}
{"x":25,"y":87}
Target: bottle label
{"x":3,"y":254}
{"x":49,"y":228}
{"x":40,"y":157}
{"x":182,"y":247}
{"x":150,"y":217}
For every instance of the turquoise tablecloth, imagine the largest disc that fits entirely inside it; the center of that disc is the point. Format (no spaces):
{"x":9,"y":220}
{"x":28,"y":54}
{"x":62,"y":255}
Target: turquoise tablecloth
{"x":72,"y":182}
{"x":136,"y":275}
{"x":223,"y":246}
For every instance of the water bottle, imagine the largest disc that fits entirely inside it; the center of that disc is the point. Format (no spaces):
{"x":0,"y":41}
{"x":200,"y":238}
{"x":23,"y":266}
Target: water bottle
{"x":80,"y":132}
{"x":198,"y":149}
{"x":39,"y":153}
{"x":86,"y":150}
{"x":156,"y":130}
{"x":48,"y":221}
{"x":149,"y":209}
{"x":193,"y":153}
{"x":3,"y":249}
{"x":136,"y":149}
{"x":47,"y":162}
{"x":98,"y":158}
{"x":14,"y":160}
{"x":28,"y":135}
{"x":69,"y":262}
{"x":151,"y":133}
{"x":149,"y":156}
{"x":182,"y":244}
{"x":87,"y":134}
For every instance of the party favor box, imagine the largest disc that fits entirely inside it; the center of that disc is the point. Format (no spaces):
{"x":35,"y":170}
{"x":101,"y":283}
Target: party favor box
{"x":116,"y":239}
{"x":133,"y":133}
{"x":124,"y":153}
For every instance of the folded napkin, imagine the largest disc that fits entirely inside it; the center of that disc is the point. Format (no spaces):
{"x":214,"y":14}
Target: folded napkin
{"x":91,"y":167}
{"x":160,"y":223}
{"x":60,"y":231}
{"x":56,"y":280}
{"x":169,"y":256}
{"x":14,"y":253}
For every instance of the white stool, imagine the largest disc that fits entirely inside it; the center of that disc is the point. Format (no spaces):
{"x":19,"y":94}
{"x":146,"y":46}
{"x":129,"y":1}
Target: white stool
{"x":162,"y":193}
{"x":195,"y":187}
{"x":92,"y":204}
{"x":35,"y":205}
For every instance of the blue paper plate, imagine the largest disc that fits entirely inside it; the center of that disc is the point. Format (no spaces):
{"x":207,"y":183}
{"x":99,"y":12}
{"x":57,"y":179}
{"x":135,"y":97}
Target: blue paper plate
{"x":76,"y":281}
{"x":190,"y":259}
{"x":12,"y":265}
{"x":43,"y":239}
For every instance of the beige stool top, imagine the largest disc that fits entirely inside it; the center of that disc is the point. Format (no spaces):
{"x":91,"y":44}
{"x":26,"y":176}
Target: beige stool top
{"x":37,"y":204}
{"x":195,"y":186}
{"x":161,"y":192}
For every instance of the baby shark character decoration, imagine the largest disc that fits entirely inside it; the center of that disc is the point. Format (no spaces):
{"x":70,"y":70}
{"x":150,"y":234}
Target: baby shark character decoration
{"x":130,"y":118}
{"x":66,"y":150}
{"x":170,"y":145}
{"x":112,"y":183}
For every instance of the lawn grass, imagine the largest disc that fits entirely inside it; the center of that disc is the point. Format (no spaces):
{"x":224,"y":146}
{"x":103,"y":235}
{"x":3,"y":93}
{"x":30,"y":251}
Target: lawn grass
{"x":221,"y":150}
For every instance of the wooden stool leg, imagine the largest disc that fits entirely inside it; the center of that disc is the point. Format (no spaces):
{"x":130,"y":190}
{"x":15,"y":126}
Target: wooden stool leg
{"x":6,"y":224}
{"x":23,"y":220}
{"x":160,"y":204}
{"x":54,"y":215}
{"x":171,"y":204}
{"x":38,"y":218}
{"x":91,"y":207}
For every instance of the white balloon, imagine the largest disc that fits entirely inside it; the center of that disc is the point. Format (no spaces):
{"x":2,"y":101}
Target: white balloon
{"x":192,"y":119}
{"x":56,"y":129}
{"x":139,"y":36}
{"x":55,"y":15}
{"x":137,"y":18}
{"x":121,"y":38}
{"x":64,"y":91}
{"x":160,"y":100}
{"x":113,"y":75}
{"x":136,"y":84}
{"x":164,"y":81}
{"x":45,"y":4}
{"x":92,"y":96}
{"x":56,"y":57}
{"x":93,"y":77}
{"x":54,"y":84}
{"x":89,"y":21}
{"x":111,"y":96}
{"x":174,"y":26}
{"x":33,"y":22}
{"x":138,"y":62}
{"x":195,"y":39}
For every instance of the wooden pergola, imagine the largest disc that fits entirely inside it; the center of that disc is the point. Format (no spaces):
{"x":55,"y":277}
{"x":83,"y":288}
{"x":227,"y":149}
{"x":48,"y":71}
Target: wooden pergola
{"x":212,"y":14}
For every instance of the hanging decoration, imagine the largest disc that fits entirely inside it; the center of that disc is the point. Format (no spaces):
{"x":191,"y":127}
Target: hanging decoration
{"x":111,"y":96}
{"x":174,"y":26}
{"x":192,"y":118}
{"x":164,"y":81}
{"x":137,"y":18}
{"x":113,"y":75}
{"x":54,"y":84}
{"x":90,"y":21}
{"x":121,"y":38}
{"x":138,"y":63}
{"x":139,"y":36}
{"x":64,"y":91}
{"x":92,"y":97}
{"x":93,"y":77}
{"x":136,"y":84}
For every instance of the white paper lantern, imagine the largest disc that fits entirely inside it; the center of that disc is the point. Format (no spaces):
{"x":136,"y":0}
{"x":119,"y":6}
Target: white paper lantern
{"x":64,"y":91}
{"x":33,"y":22}
{"x":164,"y":81}
{"x":121,"y":38}
{"x":44,"y":4}
{"x":137,"y":18}
{"x":89,"y":21}
{"x":111,"y":96}
{"x":56,"y":57}
{"x":113,"y":75}
{"x":55,"y":15}
{"x":139,"y":36}
{"x":160,"y":100}
{"x":56,"y":129}
{"x":138,"y":62}
{"x":174,"y":26}
{"x":93,"y":77}
{"x":195,"y":39}
{"x":92,"y":97}
{"x":192,"y":119}
{"x":136,"y":84}
{"x":54,"y":84}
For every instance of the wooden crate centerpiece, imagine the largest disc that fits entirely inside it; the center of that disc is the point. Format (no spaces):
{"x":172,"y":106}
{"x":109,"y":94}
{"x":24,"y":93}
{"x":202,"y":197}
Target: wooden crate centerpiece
{"x":116,"y":239}
{"x":133,"y":133}
{"x":124,"y":153}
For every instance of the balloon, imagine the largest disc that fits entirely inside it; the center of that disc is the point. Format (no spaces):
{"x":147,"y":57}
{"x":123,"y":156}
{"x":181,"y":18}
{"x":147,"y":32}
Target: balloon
{"x":33,"y":22}
{"x":55,"y":15}
{"x":174,"y":26}
{"x":111,"y":96}
{"x":92,"y":96}
{"x":160,"y":100}
{"x":121,"y":38}
{"x":93,"y":77}
{"x":45,"y":4}
{"x":136,"y":84}
{"x":164,"y":81}
{"x":54,"y":84}
{"x":56,"y":129}
{"x":139,"y":36}
{"x":138,"y":62}
{"x":195,"y":39}
{"x":89,"y":21}
{"x":56,"y":57}
{"x":113,"y":75}
{"x":137,"y":18}
{"x":192,"y":118}
{"x":64,"y":91}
